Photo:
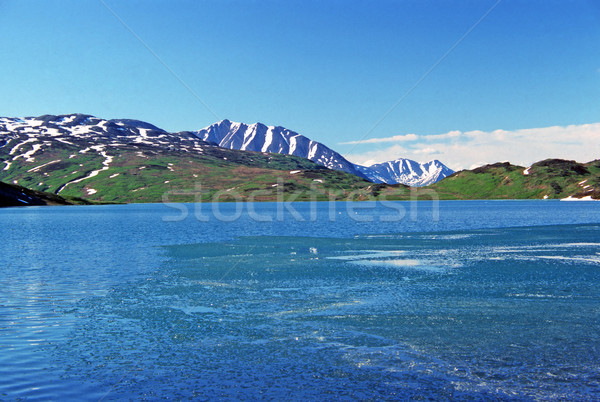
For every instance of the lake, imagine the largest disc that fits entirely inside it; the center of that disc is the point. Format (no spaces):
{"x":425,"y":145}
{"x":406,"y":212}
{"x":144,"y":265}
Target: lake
{"x":319,"y":301}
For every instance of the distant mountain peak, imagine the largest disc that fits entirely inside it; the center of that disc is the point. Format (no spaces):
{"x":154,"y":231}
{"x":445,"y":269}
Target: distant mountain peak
{"x":406,"y":171}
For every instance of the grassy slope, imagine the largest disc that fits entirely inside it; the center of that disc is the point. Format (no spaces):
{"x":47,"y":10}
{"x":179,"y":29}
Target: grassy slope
{"x":552,"y":178}
{"x":149,"y":175}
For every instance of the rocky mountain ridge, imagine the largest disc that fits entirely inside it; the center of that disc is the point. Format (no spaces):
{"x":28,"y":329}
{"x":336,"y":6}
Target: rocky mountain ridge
{"x":276,"y":139}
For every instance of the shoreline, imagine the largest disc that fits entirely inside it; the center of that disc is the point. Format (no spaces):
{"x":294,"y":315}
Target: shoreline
{"x":94,"y":203}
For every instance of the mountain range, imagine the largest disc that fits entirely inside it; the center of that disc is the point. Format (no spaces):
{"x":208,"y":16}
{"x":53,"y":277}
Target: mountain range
{"x":133,"y":161}
{"x":226,"y":134}
{"x":82,"y":156}
{"x":261,"y":138}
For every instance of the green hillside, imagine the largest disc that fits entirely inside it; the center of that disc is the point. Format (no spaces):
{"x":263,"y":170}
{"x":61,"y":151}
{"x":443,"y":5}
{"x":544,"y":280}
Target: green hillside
{"x":138,"y":174}
{"x":551,"y":179}
{"x":150,"y":175}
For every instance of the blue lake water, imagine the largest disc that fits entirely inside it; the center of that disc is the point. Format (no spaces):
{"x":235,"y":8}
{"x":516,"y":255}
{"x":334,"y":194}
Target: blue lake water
{"x":320,"y":301}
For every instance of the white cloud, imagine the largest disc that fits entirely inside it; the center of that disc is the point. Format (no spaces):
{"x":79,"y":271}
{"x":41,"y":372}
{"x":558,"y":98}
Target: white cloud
{"x":462,"y":150}
{"x":395,"y":138}
{"x":448,"y":135}
{"x":428,"y":151}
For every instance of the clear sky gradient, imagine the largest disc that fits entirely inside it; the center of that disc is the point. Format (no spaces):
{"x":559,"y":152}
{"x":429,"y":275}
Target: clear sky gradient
{"x":327,"y":69}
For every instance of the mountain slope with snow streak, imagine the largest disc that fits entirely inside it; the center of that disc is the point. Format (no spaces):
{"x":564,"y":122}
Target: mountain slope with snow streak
{"x":85,"y":137}
{"x":274,"y":139}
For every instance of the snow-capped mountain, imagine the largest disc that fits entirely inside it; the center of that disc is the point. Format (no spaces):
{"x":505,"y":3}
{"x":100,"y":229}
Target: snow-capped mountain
{"x":261,"y":138}
{"x":407,"y":172}
{"x":91,"y":134}
{"x":22,"y":140}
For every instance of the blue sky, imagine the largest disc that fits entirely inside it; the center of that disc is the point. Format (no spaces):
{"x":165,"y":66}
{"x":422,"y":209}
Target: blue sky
{"x":327,"y":69}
